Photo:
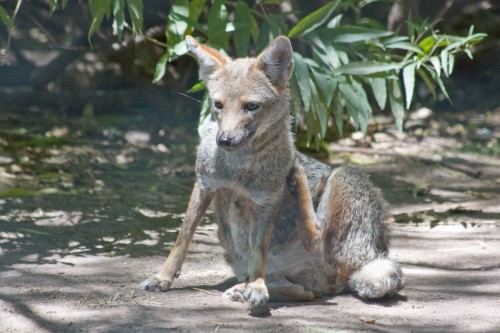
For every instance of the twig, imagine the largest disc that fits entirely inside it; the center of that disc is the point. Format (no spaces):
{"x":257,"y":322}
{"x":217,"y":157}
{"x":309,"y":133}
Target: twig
{"x":205,"y":291}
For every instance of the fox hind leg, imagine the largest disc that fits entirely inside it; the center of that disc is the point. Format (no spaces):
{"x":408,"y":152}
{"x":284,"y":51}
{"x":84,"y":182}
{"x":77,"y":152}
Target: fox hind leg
{"x":351,"y":213}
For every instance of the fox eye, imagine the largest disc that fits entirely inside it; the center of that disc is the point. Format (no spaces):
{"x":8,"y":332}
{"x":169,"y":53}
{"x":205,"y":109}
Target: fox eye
{"x":252,"y":106}
{"x":218,"y":105}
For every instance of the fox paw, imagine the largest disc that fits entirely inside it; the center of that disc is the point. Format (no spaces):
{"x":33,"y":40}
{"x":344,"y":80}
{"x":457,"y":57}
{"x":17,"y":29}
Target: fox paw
{"x":256,"y":293}
{"x":236,"y":293}
{"x":154,"y":283}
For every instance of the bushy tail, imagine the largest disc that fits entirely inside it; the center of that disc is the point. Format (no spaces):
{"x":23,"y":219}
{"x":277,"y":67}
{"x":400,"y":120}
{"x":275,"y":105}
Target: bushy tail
{"x":377,"y":279}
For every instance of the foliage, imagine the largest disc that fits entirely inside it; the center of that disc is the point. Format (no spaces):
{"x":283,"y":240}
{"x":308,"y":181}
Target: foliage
{"x":345,"y":61}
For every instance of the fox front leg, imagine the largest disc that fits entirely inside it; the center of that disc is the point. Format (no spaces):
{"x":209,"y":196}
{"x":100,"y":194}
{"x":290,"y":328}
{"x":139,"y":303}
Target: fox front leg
{"x":306,"y":219}
{"x":197,"y":206}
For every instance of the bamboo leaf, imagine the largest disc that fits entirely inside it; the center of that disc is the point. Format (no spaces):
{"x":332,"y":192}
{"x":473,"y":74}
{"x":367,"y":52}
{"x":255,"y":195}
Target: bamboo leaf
{"x":409,"y":82}
{"x":313,"y":20}
{"x":379,"y":89}
{"x":396,"y":98}
{"x":428,"y":82}
{"x":119,"y":17}
{"x":135,"y":11}
{"x":351,"y":34}
{"x":160,"y":67}
{"x":405,"y":46}
{"x":437,"y":65}
{"x":302,"y":74}
{"x":366,"y":68}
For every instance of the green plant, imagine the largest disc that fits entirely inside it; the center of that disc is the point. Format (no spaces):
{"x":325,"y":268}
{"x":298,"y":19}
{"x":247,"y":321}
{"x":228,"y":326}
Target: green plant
{"x":340,"y":67}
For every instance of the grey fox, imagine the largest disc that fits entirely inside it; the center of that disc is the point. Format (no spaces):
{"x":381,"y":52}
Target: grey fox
{"x":292,"y":227}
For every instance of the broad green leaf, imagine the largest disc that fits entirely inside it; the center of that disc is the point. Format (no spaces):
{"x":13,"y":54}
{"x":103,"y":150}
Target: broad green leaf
{"x":351,"y":34}
{"x":242,"y":15}
{"x":379,"y":88}
{"x":254,"y":30}
{"x":409,"y":82}
{"x":6,"y":20}
{"x":97,"y":12}
{"x":217,"y":20}
{"x":396,"y":98}
{"x":190,"y":24}
{"x":356,"y":104}
{"x":366,"y":68}
{"x":327,"y":86}
{"x":313,"y":20}
{"x":177,"y":50}
{"x":119,"y":17}
{"x":265,"y":36}
{"x":302,"y":73}
{"x":160,"y":67}
{"x":196,"y":8}
{"x":176,"y":24}
{"x":135,"y":11}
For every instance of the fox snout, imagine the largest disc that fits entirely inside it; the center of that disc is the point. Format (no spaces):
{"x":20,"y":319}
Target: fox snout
{"x":230,"y":141}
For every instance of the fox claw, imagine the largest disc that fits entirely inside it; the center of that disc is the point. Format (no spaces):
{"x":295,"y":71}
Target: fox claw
{"x":254,"y":293}
{"x":154,"y":283}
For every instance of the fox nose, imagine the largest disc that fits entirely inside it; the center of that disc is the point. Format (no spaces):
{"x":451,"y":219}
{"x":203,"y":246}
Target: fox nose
{"x":225,"y":140}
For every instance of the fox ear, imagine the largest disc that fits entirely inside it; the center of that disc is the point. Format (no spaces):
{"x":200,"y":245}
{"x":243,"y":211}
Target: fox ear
{"x":209,"y":59}
{"x":276,"y":61}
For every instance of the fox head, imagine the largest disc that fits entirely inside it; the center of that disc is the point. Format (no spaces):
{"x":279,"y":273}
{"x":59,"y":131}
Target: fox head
{"x":248,"y":95}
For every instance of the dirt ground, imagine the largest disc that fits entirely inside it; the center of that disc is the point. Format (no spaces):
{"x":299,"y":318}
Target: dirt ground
{"x":445,"y":233}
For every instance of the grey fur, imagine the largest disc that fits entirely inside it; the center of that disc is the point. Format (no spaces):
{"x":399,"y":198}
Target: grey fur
{"x":252,"y":196}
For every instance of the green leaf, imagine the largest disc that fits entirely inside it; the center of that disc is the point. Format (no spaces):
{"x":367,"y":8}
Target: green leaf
{"x":428,"y":82}
{"x":396,"y":98}
{"x":97,"y":12}
{"x":366,"y":68}
{"x":191,"y":24}
{"x":242,"y":22}
{"x":160,"y":67}
{"x":217,"y":21}
{"x":379,"y":88}
{"x":200,"y":86}
{"x":351,"y":34}
{"x":119,"y":17}
{"x":356,"y":103}
{"x":176,"y":24}
{"x":6,"y":20}
{"x":405,"y":46}
{"x":327,"y":86}
{"x":409,"y":82}
{"x":338,"y":112}
{"x":437,"y":65}
{"x":319,"y":109}
{"x":195,"y":10}
{"x":254,"y":30}
{"x":135,"y":11}
{"x":302,"y":74}
{"x":313,"y":20}
{"x":444,"y":61}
